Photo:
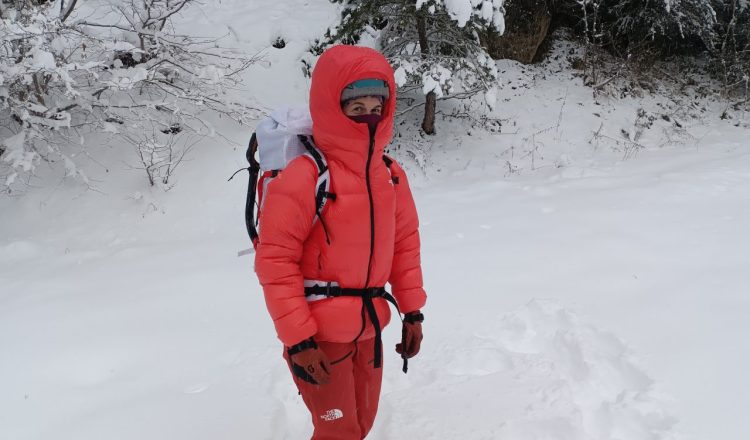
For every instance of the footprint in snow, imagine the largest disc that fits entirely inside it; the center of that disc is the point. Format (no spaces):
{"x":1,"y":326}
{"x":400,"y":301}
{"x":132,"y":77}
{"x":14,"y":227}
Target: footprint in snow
{"x":538,"y":373}
{"x":197,"y":388}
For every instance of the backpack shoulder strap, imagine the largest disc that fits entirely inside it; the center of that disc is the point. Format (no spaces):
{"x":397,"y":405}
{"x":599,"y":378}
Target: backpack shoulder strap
{"x":314,"y":152}
{"x":323,"y":185}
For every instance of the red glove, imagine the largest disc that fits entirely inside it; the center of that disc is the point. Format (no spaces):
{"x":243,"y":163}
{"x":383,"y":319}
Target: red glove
{"x":411,"y":335}
{"x":309,"y":363}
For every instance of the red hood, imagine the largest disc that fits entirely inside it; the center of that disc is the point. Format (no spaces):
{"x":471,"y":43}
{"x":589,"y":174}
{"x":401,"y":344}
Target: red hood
{"x":339,"y":137}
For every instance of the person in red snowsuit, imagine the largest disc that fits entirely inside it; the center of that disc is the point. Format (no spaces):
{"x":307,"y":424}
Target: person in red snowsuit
{"x":324,"y":273}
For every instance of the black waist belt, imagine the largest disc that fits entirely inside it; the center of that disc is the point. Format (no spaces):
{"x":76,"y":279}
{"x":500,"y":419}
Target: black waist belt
{"x":367,"y":295}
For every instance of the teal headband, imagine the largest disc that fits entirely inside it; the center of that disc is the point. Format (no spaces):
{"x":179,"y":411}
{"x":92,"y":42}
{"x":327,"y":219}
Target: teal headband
{"x":365,"y":87}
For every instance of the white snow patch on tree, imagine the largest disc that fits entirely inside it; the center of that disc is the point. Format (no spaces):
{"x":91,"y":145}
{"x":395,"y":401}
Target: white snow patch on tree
{"x":487,"y":11}
{"x":16,"y":155}
{"x":490,"y":97}
{"x":438,"y":80}
{"x":459,"y":10}
{"x":498,"y":22}
{"x":401,"y":75}
{"x":41,"y":59}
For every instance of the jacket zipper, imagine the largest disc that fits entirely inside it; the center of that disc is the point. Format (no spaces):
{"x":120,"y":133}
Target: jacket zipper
{"x":372,"y":208}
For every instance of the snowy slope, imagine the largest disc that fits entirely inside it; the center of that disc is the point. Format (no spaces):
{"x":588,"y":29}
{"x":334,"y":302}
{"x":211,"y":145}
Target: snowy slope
{"x":574,"y":295}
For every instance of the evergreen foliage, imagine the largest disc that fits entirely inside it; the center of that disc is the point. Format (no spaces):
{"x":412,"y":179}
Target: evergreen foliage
{"x":716,"y":29}
{"x":633,"y":27}
{"x":432,"y":44}
{"x":731,"y":43}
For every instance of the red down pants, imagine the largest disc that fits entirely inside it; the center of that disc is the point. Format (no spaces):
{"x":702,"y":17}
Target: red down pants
{"x":344,"y":408}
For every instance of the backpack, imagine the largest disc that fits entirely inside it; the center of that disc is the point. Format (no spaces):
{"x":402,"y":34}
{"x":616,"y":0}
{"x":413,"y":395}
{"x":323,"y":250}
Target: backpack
{"x":280,"y":138}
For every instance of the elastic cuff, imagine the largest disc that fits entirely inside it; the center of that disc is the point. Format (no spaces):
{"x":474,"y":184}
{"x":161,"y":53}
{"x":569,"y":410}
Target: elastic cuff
{"x":304,"y":345}
{"x":413,"y":317}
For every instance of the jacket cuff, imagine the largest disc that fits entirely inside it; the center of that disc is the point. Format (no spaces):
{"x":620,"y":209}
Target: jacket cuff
{"x":414,"y":317}
{"x":302,"y":346}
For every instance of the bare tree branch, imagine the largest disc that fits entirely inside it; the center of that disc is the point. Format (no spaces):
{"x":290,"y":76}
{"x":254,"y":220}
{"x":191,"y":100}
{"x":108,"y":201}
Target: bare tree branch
{"x":69,"y":10}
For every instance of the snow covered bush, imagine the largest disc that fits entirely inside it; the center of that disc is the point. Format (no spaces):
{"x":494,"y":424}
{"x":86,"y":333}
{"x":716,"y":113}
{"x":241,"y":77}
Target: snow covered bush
{"x":117,"y":67}
{"x":433,"y":45}
{"x":731,"y":45}
{"x":632,"y":27}
{"x":717,"y":31}
{"x":159,"y":154}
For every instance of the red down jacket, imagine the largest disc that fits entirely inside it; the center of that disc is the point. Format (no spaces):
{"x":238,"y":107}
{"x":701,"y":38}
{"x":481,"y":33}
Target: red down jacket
{"x":372,"y":240}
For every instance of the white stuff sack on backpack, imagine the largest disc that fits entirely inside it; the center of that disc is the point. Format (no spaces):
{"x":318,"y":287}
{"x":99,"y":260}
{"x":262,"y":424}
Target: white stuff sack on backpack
{"x":278,"y":143}
{"x":278,"y":140}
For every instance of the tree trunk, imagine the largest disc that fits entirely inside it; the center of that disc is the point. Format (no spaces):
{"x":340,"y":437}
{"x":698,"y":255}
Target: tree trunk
{"x":428,"y":122}
{"x":528,"y":24}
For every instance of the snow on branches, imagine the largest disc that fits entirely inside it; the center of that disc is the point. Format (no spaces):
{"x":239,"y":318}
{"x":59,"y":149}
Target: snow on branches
{"x":487,"y":11}
{"x":64,"y":75}
{"x":433,"y":45}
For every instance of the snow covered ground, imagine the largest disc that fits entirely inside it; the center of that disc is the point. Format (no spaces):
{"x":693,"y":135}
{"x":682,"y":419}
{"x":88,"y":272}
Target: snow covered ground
{"x":581,"y":287}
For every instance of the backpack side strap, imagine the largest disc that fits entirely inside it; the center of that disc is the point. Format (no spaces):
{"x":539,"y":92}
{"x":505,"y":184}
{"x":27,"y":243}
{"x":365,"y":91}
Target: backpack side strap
{"x":252,"y":185}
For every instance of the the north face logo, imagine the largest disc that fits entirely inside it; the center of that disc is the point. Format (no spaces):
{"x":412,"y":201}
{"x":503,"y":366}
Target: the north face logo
{"x":332,"y":414}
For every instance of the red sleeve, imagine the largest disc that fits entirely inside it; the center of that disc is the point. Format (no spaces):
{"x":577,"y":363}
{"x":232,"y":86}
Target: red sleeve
{"x":406,"y":270}
{"x":285,"y":222}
